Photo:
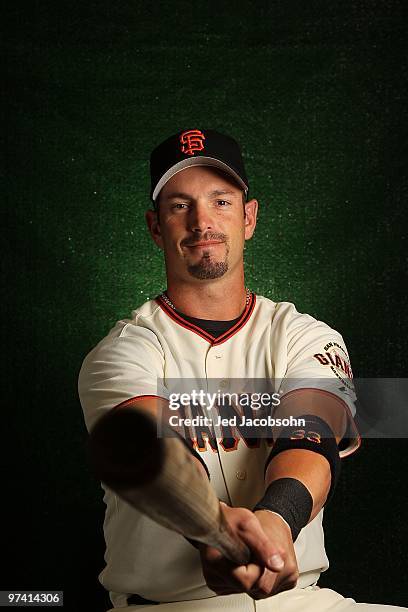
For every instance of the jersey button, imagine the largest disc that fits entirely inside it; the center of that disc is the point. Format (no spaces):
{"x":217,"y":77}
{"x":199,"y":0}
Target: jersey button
{"x":240,"y":474}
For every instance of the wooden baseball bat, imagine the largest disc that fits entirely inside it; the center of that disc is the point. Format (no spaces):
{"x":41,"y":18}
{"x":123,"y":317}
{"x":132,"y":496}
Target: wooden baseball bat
{"x":158,"y":477}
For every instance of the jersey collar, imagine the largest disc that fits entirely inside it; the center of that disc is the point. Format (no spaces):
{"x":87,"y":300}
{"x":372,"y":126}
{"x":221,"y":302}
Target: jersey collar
{"x":180,"y":320}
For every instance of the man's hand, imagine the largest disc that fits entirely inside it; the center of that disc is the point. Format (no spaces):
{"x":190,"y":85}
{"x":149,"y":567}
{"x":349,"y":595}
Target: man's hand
{"x":274,"y":568}
{"x":279,"y":533}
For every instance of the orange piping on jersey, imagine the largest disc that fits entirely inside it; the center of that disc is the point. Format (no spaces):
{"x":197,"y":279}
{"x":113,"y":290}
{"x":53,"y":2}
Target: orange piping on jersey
{"x":353,"y":449}
{"x":183,"y":322}
{"x":343,"y":403}
{"x":201,"y":332}
{"x":133,"y":400}
{"x":239,"y":324}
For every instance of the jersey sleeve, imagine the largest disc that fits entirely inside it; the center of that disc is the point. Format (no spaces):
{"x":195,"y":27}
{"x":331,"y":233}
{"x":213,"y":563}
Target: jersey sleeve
{"x":128,"y":363}
{"x":317,"y":358}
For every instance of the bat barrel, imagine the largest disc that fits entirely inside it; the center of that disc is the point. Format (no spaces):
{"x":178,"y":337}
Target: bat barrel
{"x":124,"y":448}
{"x":159,"y":477}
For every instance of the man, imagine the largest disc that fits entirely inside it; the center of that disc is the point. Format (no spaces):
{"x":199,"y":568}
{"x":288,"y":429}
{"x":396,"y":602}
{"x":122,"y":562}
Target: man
{"x":207,"y":326}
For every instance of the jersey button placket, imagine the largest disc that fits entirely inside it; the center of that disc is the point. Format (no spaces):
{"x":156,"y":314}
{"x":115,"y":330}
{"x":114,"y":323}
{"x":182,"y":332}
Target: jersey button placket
{"x":214,"y":363}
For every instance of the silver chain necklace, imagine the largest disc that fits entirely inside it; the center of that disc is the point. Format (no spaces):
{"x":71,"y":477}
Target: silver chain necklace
{"x":166,"y":299}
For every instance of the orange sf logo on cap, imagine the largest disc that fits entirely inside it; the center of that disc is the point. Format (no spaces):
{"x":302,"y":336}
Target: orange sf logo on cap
{"x":192,"y":141}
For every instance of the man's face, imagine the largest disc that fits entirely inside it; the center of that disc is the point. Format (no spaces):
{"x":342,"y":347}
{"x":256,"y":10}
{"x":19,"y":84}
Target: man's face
{"x":201,"y":224}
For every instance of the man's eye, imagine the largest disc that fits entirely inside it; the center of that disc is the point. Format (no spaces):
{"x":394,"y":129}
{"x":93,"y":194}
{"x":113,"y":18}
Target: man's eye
{"x":179,"y":205}
{"x":222,"y":203}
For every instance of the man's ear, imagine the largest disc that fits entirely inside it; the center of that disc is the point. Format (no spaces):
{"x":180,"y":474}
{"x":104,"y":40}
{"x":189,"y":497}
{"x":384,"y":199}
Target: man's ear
{"x":152,"y":220}
{"x":251,"y":212}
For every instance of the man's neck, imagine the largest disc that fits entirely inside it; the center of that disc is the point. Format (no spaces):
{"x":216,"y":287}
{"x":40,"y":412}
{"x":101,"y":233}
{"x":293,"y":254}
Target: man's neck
{"x":214,"y":301}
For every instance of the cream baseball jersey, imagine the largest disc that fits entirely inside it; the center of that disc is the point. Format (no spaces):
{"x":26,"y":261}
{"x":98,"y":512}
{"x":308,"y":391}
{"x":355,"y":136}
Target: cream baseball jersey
{"x":269,"y":341}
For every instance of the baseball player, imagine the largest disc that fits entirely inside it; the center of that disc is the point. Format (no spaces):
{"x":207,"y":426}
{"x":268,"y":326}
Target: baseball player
{"x":208,"y":326}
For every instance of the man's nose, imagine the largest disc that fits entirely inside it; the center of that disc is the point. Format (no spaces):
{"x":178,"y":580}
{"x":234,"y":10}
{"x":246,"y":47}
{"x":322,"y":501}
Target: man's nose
{"x":200,"y":218}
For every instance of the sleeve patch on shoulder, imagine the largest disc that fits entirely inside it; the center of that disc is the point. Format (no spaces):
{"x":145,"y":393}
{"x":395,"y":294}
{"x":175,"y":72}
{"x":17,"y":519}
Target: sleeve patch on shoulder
{"x":335,"y":356}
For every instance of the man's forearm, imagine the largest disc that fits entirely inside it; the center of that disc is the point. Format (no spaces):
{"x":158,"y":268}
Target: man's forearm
{"x":303,"y":466}
{"x":312,"y":469}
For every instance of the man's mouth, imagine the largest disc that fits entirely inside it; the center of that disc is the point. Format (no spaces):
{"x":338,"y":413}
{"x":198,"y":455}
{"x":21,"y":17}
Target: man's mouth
{"x":208,"y":241}
{"x":204,"y":243}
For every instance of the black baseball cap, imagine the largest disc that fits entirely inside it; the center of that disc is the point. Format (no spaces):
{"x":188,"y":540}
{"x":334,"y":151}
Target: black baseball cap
{"x":196,"y":148}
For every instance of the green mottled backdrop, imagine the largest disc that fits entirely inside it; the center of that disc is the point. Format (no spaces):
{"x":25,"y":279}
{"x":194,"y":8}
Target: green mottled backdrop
{"x":315,"y":92}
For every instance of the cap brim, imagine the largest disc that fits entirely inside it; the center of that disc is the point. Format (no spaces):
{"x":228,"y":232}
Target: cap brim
{"x":196,"y":161}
